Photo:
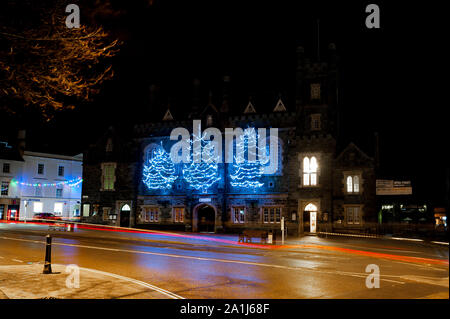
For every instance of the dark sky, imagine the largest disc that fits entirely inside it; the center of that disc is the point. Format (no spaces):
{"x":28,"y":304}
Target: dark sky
{"x":389,"y":76}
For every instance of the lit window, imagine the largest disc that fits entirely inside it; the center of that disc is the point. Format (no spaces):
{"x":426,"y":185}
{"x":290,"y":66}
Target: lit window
{"x":353,"y":215}
{"x":58,"y":210}
{"x":178,"y":214}
{"x":5,"y":188}
{"x":86,"y":208}
{"x":349,"y":184}
{"x":150,"y":214}
{"x":106,"y":213}
{"x":108,"y":176}
{"x":37,"y":207}
{"x":315,"y":91}
{"x":352,"y":184}
{"x":315,"y":122}
{"x":271,"y":214}
{"x":310,"y":168}
{"x":209,"y":120}
{"x":239,"y":215}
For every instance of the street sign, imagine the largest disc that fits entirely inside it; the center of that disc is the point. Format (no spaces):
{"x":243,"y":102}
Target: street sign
{"x":391,"y":187}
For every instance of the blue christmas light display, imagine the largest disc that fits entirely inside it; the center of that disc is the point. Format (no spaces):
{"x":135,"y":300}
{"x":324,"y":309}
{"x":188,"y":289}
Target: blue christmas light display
{"x":159,"y":172}
{"x":245,"y":173}
{"x":202,"y":175}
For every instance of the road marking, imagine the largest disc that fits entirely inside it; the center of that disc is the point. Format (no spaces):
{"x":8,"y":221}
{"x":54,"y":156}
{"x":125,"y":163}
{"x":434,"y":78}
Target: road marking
{"x":17,"y":260}
{"x":359,"y":275}
{"x":137,"y":282}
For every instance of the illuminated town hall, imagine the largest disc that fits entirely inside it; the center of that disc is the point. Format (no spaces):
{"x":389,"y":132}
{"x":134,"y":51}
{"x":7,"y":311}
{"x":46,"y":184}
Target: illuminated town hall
{"x":313,"y":182}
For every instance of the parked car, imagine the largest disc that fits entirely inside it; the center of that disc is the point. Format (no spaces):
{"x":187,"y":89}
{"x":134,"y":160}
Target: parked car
{"x":46,"y":216}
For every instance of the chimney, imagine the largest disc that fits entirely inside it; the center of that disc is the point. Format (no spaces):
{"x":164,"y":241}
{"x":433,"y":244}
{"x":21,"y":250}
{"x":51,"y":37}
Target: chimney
{"x":21,"y":135}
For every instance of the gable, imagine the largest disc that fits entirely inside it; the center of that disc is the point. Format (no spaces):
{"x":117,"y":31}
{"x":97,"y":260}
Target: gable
{"x":352,"y":156}
{"x":250,"y":108}
{"x":279,"y":107}
{"x":168,"y":116}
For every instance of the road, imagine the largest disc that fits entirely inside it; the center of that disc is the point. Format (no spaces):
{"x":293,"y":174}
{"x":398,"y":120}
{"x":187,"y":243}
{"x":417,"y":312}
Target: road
{"x":215,"y":266}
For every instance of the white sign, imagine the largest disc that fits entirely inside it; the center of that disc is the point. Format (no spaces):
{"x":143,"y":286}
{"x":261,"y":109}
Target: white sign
{"x":204,"y":200}
{"x":282,"y":223}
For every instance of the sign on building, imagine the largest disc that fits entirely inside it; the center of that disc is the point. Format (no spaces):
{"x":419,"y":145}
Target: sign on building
{"x":391,"y":187}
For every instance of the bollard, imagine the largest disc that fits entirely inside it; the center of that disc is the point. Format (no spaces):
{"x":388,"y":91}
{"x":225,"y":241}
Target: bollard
{"x":48,"y":256}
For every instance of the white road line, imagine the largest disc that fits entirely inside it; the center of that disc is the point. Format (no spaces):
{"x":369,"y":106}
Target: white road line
{"x":359,"y":275}
{"x":17,"y":260}
{"x":138,"y":282}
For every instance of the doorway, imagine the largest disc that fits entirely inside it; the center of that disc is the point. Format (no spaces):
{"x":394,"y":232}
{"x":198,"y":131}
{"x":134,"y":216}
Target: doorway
{"x":125,"y":216}
{"x":310,"y":218}
{"x":206,"y":219}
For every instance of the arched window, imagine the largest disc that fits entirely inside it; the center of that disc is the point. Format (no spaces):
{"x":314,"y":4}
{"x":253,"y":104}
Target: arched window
{"x":310,"y":168}
{"x":311,"y":208}
{"x":356,"y":184}
{"x":352,"y":184}
{"x":349,"y":184}
{"x":126,"y":208}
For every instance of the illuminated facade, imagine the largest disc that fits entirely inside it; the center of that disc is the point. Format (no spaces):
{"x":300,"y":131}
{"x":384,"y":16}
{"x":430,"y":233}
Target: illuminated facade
{"x":35,"y":183}
{"x":310,"y":188}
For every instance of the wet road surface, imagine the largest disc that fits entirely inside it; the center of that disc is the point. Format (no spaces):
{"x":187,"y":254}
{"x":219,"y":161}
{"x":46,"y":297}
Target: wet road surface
{"x":216,"y":266}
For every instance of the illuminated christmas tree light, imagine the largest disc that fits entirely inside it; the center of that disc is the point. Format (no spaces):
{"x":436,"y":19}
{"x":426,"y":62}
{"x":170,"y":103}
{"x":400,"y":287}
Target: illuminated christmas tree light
{"x":159,"y":173}
{"x":245,"y":172}
{"x":202,"y":175}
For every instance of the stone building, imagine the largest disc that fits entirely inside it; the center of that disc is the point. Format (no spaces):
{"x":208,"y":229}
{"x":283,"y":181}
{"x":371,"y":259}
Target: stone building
{"x":316,"y":186}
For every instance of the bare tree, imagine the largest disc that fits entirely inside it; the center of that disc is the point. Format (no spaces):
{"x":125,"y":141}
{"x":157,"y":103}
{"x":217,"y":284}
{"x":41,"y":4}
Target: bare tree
{"x":45,"y":65}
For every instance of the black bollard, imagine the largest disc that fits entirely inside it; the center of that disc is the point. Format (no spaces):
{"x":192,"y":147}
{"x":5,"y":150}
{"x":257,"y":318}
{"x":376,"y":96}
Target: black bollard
{"x":48,"y":255}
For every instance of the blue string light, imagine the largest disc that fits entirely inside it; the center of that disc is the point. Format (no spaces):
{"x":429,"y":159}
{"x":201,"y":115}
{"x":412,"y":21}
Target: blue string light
{"x":246,"y":173}
{"x":202,"y":175}
{"x":159,"y":173}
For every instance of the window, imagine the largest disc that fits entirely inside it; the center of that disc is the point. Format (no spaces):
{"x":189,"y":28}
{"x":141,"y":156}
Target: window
{"x":315,"y":91}
{"x":109,"y":145}
{"x":6,"y":168}
{"x":40,"y":170}
{"x":86,"y":208}
{"x":37,"y":207}
{"x":38,"y":191}
{"x":315,"y":122}
{"x":352,"y":184}
{"x":58,"y":210}
{"x":310,"y":168}
{"x":59,"y":192}
{"x":150,"y":214}
{"x":5,"y":188}
{"x":2,"y":211}
{"x":60,"y":170}
{"x":108,"y":176}
{"x":209,"y":120}
{"x":178,"y":214}
{"x":106,"y":213}
{"x":271,"y":214}
{"x":353,"y":215}
{"x":239,"y":215}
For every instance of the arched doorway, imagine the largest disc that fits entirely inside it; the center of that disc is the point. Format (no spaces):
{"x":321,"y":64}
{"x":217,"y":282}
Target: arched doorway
{"x":204,"y":218}
{"x":310,"y":218}
{"x":125,"y":216}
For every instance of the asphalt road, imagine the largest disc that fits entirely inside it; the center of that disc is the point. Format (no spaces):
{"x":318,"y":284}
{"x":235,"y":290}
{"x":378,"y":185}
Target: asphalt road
{"x":215,"y":266}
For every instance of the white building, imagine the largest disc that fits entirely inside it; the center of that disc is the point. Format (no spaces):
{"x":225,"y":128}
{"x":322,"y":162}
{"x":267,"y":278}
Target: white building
{"x":40,"y":183}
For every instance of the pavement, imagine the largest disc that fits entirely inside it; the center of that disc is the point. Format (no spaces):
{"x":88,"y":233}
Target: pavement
{"x":29,"y":282}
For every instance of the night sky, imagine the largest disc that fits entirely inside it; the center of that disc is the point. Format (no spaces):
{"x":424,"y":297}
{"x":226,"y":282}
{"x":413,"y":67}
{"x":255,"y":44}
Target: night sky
{"x":389,"y":76}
